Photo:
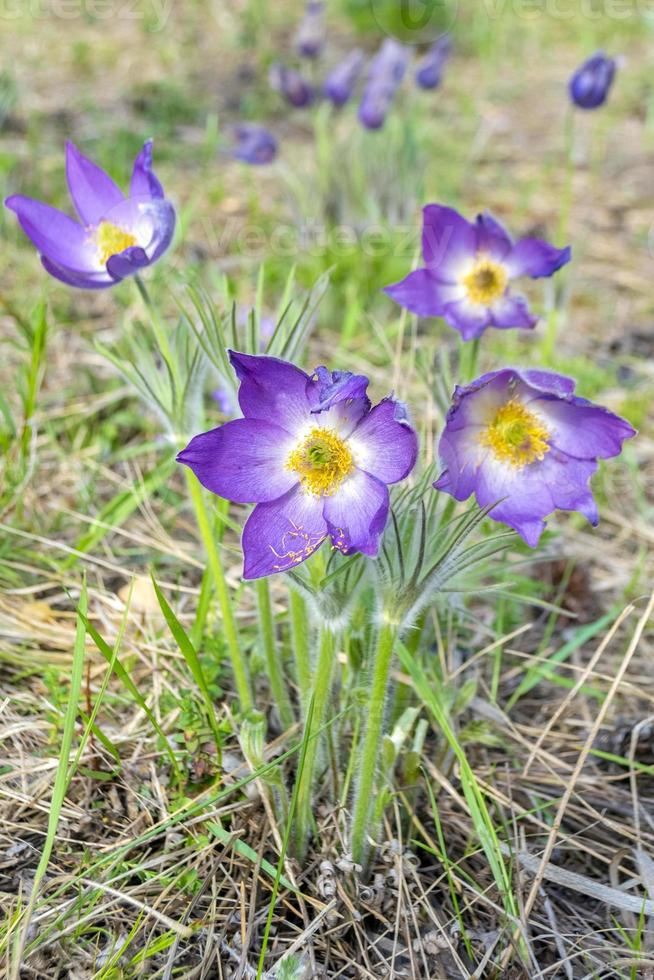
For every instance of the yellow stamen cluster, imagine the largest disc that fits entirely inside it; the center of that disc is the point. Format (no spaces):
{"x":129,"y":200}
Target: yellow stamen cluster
{"x":486,"y":282}
{"x":516,"y":435}
{"x":110,"y":240}
{"x":322,"y":462}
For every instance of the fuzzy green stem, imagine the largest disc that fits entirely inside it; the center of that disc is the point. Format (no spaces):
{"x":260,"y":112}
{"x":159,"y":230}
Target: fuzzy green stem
{"x":469,"y":358}
{"x":237,"y":658}
{"x":268,"y":642}
{"x":320,"y":697}
{"x":300,"y":641}
{"x":372,"y":742}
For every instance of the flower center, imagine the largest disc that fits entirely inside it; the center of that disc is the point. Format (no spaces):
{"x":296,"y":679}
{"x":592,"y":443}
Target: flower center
{"x":110,"y":240}
{"x":486,"y":282}
{"x":516,"y":435}
{"x":322,"y":462}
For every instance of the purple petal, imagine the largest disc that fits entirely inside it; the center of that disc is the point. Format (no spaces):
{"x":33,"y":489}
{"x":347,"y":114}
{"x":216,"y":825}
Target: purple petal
{"x":582,"y":429}
{"x":282,"y":534}
{"x":449,"y":242}
{"x":93,"y":192}
{"x":423,"y":294}
{"x":340,"y":82}
{"x":468,"y":318}
{"x":492,"y":238}
{"x":384,"y":444}
{"x":76,"y":277}
{"x":144,"y":182}
{"x":243,"y":461}
{"x":57,"y":236}
{"x":356,"y":515}
{"x":535,"y":258}
{"x":340,"y":394}
{"x":272,"y":390}
{"x":255,"y":145}
{"x":591,"y":83}
{"x":512,"y":311}
{"x":127,"y":262}
{"x":150,"y":220}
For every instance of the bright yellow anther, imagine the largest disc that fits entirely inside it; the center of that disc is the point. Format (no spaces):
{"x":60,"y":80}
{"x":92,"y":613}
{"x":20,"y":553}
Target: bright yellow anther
{"x":486,"y":282}
{"x":516,"y":435}
{"x":110,"y":240}
{"x":322,"y":462}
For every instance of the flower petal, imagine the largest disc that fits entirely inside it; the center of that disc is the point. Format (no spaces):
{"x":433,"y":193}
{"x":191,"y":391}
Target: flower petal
{"x":535,"y":258}
{"x":93,"y":192}
{"x":384,"y":444}
{"x":449,"y":242}
{"x":243,"y":460}
{"x":356,"y":514}
{"x":423,"y":294}
{"x":584,"y":430}
{"x":144,"y":182}
{"x":468,"y":318}
{"x":512,"y":311}
{"x":282,"y":534}
{"x":273,"y":390}
{"x":76,"y":277}
{"x":492,"y":237}
{"x":57,"y":236}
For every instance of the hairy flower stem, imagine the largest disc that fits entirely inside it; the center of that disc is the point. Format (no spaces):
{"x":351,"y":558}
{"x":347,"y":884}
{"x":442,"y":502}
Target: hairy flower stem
{"x":322,"y":683}
{"x":372,"y":742}
{"x":468,"y":362}
{"x":273,"y":661}
{"x":230,"y":632}
{"x":300,"y":642}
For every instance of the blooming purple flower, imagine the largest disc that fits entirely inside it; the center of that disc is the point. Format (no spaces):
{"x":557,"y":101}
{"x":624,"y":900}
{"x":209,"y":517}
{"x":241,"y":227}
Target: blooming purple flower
{"x":313,"y":455}
{"x":387,"y":69}
{"x":311,"y":32}
{"x":340,"y":82}
{"x":522,"y":440}
{"x":116,"y":236}
{"x":467,"y":271}
{"x":254,"y":144}
{"x":591,"y":83}
{"x":430,"y":69}
{"x":291,"y":85}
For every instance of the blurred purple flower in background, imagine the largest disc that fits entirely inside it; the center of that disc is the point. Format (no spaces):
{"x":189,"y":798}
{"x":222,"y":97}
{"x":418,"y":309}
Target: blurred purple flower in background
{"x":254,"y":144}
{"x":339,"y":84}
{"x":430,"y":68}
{"x":522,"y":439}
{"x":116,"y":237}
{"x":313,"y":455}
{"x":290,"y":84}
{"x":385,"y":75}
{"x":311,"y":32}
{"x":591,"y":83}
{"x":467,"y":272}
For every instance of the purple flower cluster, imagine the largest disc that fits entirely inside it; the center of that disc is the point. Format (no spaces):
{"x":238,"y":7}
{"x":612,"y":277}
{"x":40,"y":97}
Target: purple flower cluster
{"x":116,"y":236}
{"x":467,"y":272}
{"x":313,"y":455}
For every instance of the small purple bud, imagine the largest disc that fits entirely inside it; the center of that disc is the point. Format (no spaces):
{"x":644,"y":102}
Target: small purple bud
{"x":311,"y":32}
{"x":291,"y":85}
{"x":385,"y":75}
{"x":340,"y":82}
{"x":590,"y":84}
{"x":255,"y":145}
{"x":224,"y":398}
{"x":430,"y":69}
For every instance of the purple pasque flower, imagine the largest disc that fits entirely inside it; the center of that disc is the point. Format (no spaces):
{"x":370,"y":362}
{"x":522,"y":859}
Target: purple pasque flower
{"x":116,"y":236}
{"x":591,"y":83}
{"x":430,"y":68}
{"x":387,"y":69}
{"x":311,"y":32}
{"x":314,"y":457}
{"x":254,"y":144}
{"x":290,"y":84}
{"x":467,"y":271}
{"x":522,"y":440}
{"x":339,"y":84}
